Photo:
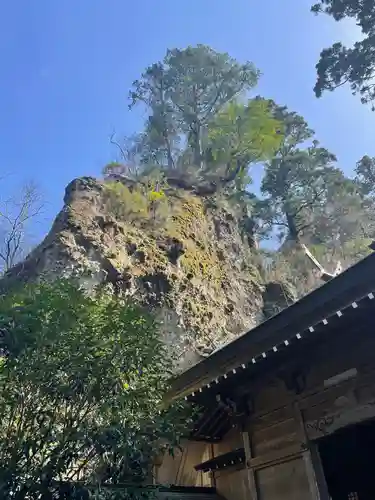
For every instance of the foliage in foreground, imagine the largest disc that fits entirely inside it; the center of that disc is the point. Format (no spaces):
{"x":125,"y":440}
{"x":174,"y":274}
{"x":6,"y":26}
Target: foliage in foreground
{"x":81,"y":386}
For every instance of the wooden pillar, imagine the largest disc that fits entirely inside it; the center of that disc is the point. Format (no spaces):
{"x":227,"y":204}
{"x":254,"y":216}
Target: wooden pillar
{"x":319,"y":473}
{"x":317,"y":486}
{"x":212,"y":473}
{"x":250,"y":471}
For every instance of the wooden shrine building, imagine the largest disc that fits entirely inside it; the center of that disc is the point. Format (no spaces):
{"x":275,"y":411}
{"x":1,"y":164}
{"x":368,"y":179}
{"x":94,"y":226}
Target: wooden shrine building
{"x":289,"y":407}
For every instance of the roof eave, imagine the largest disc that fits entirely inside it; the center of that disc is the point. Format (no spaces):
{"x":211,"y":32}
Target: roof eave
{"x":332,"y":297}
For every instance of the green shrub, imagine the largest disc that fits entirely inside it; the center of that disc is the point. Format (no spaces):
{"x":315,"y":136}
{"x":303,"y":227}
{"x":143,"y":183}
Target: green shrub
{"x":81,"y":385}
{"x":126,"y":204}
{"x":147,"y":201}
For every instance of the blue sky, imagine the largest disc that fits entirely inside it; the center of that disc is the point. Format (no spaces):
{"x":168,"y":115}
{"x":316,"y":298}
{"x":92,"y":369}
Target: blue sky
{"x":67,"y":66}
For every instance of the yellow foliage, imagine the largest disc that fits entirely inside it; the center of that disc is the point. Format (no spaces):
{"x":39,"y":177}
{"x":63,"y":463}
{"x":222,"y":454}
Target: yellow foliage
{"x":124,"y":203}
{"x":137,"y":204}
{"x":154,"y":196}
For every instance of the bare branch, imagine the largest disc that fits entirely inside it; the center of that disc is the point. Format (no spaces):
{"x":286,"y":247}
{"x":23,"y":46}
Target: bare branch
{"x":117,"y":144}
{"x":16,"y":214}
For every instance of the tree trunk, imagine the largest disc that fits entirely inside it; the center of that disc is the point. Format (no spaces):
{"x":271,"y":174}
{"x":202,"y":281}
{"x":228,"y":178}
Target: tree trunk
{"x":165,"y":127}
{"x":197,"y":146}
{"x":232,"y":174}
{"x":197,"y":132}
{"x":169,"y":149}
{"x":292,"y":227}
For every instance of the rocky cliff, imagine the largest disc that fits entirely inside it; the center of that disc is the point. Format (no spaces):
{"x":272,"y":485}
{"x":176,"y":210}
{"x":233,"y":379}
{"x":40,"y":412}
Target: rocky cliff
{"x":182,"y":253}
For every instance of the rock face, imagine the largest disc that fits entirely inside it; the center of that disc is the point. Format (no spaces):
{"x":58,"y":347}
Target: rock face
{"x":184,"y":256}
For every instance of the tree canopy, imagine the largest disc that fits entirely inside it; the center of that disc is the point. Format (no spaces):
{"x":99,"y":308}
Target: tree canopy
{"x":297,"y":178}
{"x":191,"y":98}
{"x":354,"y":65}
{"x":204,"y":131}
{"x":365,"y":175}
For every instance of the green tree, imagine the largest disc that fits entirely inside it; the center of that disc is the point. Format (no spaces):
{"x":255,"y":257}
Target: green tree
{"x":295,"y":181}
{"x":201,"y":82}
{"x":365,"y":175}
{"x":345,"y":216}
{"x":81,"y":385}
{"x":241,"y":135}
{"x":161,"y":135}
{"x":182,"y":95}
{"x":354,"y":65}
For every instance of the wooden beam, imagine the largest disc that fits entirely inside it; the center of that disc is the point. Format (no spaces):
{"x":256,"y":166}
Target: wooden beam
{"x":250,"y":471}
{"x":317,"y":490}
{"x":338,"y":419}
{"x":203,"y":439}
{"x":222,"y":461}
{"x":275,"y":457}
{"x":319,"y":473}
{"x":212,"y":473}
{"x":224,"y":424}
{"x":209,"y":416}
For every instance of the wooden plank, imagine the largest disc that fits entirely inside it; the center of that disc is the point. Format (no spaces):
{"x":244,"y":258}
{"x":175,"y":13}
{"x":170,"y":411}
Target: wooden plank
{"x":275,"y":457}
{"x":327,"y":396}
{"x":319,"y":473}
{"x":274,"y":437}
{"x":313,"y":397}
{"x":306,"y":454}
{"x":226,"y":460}
{"x":310,"y":472}
{"x":334,"y":420}
{"x":233,"y":485}
{"x":250,"y":471}
{"x":231,"y":441}
{"x":284,"y":481}
{"x":270,"y":418}
{"x":212,"y":474}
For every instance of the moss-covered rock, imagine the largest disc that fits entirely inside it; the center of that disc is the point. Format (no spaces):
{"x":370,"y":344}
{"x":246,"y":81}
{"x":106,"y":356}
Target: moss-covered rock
{"x":181,"y":254}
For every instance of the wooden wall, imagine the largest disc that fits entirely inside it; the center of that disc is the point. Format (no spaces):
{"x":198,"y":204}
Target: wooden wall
{"x":233,"y":484}
{"x":283,"y":462}
{"x":232,"y":441}
{"x":284,"y":481}
{"x":179,"y":469}
{"x":279,"y":438}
